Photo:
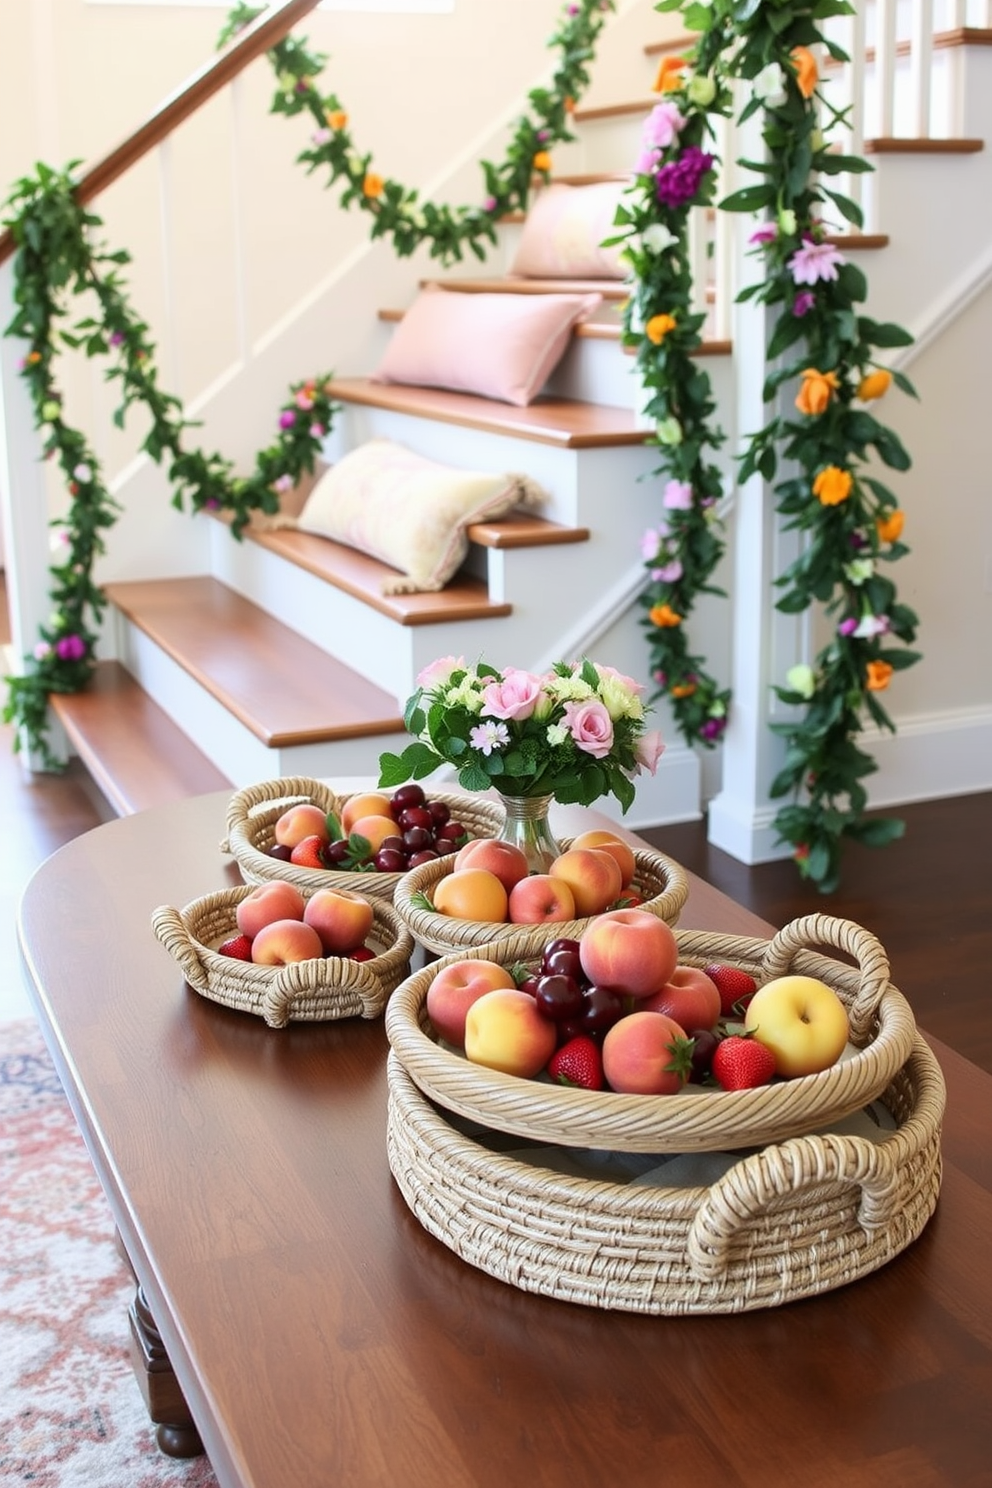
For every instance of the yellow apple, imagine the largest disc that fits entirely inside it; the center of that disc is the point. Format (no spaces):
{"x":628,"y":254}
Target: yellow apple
{"x":802,"y":1021}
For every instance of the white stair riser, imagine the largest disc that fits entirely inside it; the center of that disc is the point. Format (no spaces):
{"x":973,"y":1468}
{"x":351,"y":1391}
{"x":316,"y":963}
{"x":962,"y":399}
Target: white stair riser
{"x":596,"y":371}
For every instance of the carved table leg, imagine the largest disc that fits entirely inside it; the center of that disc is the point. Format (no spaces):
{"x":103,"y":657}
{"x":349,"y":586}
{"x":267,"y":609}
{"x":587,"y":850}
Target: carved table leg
{"x":176,"y":1433}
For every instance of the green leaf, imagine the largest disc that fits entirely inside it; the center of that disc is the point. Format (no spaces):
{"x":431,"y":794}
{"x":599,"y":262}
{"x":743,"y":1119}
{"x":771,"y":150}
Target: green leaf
{"x":878,"y":833}
{"x":748,"y":199}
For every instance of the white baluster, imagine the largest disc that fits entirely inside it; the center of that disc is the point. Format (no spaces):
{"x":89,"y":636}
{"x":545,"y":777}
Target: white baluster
{"x":920,"y":66}
{"x":885,"y":66}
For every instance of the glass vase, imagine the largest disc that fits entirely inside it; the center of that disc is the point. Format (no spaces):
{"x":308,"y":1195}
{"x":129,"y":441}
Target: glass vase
{"x":526,"y":825}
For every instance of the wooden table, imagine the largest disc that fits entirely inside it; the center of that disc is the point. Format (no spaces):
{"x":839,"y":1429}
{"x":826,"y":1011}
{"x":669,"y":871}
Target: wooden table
{"x":321,"y":1337}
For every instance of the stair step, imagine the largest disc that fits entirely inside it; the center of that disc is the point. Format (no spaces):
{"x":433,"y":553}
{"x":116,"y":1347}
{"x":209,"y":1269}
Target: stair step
{"x":921,"y":146}
{"x":561,"y":422}
{"x":525,"y":531}
{"x":610,"y":289}
{"x":279,"y":686}
{"x":132,"y":749}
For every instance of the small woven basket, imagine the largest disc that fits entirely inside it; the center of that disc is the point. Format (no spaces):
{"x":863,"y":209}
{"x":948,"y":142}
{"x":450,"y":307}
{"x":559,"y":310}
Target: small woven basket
{"x":660,"y":881}
{"x":304,"y":991}
{"x":697,"y":1119}
{"x":799,"y":1217}
{"x":253,"y":812}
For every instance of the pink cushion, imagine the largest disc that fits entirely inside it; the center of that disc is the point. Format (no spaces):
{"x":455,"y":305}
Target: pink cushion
{"x":563,"y":234}
{"x":502,"y":346}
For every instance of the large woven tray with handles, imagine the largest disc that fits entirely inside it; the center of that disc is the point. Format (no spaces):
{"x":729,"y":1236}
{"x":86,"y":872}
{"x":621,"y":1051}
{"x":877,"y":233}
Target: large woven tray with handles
{"x":697,"y":1119}
{"x":793,"y":1219}
{"x":659,"y":881}
{"x":253,"y":812}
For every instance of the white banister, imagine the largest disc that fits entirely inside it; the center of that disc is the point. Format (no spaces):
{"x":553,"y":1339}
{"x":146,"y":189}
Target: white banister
{"x":885,"y":66}
{"x":920,"y":66}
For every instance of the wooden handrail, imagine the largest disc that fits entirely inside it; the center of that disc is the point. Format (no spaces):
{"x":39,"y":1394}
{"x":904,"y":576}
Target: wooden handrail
{"x":259,"y":36}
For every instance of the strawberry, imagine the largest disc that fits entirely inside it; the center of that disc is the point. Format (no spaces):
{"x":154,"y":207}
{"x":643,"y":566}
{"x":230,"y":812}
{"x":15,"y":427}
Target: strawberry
{"x":578,"y":1062}
{"x":308,"y":853}
{"x":362,"y":953}
{"x":741,"y":1063}
{"x":238,"y":947}
{"x":735,"y":986}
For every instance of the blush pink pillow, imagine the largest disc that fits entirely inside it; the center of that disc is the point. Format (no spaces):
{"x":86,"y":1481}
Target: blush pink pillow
{"x":563,"y":234}
{"x":502,"y":346}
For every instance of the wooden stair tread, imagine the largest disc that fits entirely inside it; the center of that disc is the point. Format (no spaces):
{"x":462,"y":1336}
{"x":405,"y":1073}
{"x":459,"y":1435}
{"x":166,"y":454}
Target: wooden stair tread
{"x":610,"y":289}
{"x":356,"y":574}
{"x":906,"y":146}
{"x":279,"y":685}
{"x":521,"y":530}
{"x":132,"y":749}
{"x":562,"y":422}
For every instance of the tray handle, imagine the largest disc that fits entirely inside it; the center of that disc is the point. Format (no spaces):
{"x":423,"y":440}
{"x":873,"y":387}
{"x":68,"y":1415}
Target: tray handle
{"x":169,"y":928}
{"x":779,"y":1171}
{"x":819,"y":929}
{"x":298,"y":980}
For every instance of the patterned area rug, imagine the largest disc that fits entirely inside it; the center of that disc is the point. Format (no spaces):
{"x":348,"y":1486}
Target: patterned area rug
{"x":71,"y":1413}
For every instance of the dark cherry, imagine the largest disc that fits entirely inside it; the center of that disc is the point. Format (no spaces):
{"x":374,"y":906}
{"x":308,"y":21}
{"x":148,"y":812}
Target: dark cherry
{"x":336,"y":852}
{"x":704,"y":1042}
{"x":425,"y":855}
{"x":416,"y":816}
{"x":395,"y":844}
{"x":562,"y":943}
{"x":440,"y":812}
{"x":417,"y":838}
{"x":408,"y":795}
{"x":601,"y":1008}
{"x":570,"y":1028}
{"x":558,"y":997}
{"x":529,"y":985}
{"x":452,"y":831}
{"x":281,"y":851}
{"x":566,"y":962}
{"x":444,"y":845}
{"x":388,"y":860}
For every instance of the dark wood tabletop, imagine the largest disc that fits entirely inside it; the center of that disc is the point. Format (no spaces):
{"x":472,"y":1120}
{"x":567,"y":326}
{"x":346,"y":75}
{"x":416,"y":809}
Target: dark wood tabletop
{"x":321,"y":1337}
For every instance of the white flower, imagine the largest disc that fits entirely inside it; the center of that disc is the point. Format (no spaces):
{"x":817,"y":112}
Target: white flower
{"x":656,"y":238}
{"x":557,"y":733}
{"x":700,"y":90}
{"x":466,"y":695}
{"x":871,"y":625}
{"x":83,"y":472}
{"x":618,"y":700}
{"x":669,"y":431}
{"x":859,"y":570}
{"x":60,"y":538}
{"x":801,"y":679}
{"x":769,"y":85}
{"x":787,"y":222}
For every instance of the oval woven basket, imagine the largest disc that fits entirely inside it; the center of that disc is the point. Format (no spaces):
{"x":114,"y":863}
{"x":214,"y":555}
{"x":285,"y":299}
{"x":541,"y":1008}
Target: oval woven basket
{"x":659,"y":880}
{"x":252,"y":814}
{"x":799,"y":1217}
{"x":697,"y":1119}
{"x":305,"y":991}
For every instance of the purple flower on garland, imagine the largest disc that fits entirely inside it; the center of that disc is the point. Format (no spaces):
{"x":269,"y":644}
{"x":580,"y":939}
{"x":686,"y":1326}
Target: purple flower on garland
{"x":764,"y":235}
{"x":317,"y":431}
{"x":287,"y":419}
{"x":70,"y":648}
{"x":490,"y":204}
{"x":815,"y":261}
{"x":712,"y":728}
{"x":803,"y":303}
{"x":847,"y":627}
{"x":678,"y":181}
{"x":116,"y":338}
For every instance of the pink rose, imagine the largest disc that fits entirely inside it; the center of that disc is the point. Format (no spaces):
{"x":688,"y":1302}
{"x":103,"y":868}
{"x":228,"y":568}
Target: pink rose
{"x":648,"y":751}
{"x":436,"y":673}
{"x":516,"y":696}
{"x":591,"y":727}
{"x":607,"y":671}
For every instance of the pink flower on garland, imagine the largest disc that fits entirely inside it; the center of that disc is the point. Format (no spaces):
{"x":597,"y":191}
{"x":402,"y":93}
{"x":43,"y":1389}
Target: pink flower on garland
{"x":662,"y":126}
{"x":70,"y":648}
{"x":678,"y":495}
{"x":815,"y":261}
{"x":678,"y":181}
{"x":287,"y":419}
{"x":669,"y":573}
{"x":803,"y":303}
{"x":766,"y":234}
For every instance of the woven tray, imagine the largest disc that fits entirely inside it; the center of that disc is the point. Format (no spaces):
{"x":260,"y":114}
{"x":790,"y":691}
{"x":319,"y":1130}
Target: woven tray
{"x":797,"y":1218}
{"x":696,"y":1120}
{"x":660,"y":880}
{"x":252,"y":814}
{"x":306,"y":991}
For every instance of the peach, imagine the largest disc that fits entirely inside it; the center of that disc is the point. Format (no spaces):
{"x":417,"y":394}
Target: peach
{"x":304,"y":820}
{"x":282,"y":941}
{"x":471,"y":894}
{"x":630,"y":950}
{"x":341,"y":919}
{"x":505,"y":1031}
{"x":593,"y":876}
{"x":277,"y":900}
{"x":505,"y":859}
{"x":689,"y":996}
{"x":375,"y":829}
{"x":615,"y":846}
{"x":372,"y":803}
{"x":455,"y":988}
{"x":646,"y":1054}
{"x":541,"y":900}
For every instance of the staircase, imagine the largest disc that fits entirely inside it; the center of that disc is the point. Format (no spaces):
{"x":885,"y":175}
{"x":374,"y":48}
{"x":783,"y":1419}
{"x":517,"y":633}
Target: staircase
{"x":226,"y":663}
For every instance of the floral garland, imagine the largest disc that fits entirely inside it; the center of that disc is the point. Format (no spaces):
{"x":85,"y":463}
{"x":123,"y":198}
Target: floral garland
{"x":56,"y":257}
{"x":397,"y":211}
{"x":850,"y":519}
{"x":674,"y":175}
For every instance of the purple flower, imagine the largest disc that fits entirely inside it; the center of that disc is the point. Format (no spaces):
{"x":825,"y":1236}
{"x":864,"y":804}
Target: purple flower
{"x":287,"y":419}
{"x":659,"y":676}
{"x":678,"y":495}
{"x":847,"y":627}
{"x":814,"y":261}
{"x":116,"y":338}
{"x":70,"y":648}
{"x":803,"y":303}
{"x":766,"y":234}
{"x":317,"y":431}
{"x":678,"y":181}
{"x":490,"y":204}
{"x":712,"y":728}
{"x":669,"y":573}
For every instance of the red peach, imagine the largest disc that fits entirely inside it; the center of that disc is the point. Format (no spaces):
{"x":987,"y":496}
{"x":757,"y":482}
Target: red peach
{"x":455,"y":988}
{"x":505,"y":859}
{"x":276,"y":900}
{"x":689,"y":996}
{"x":593,"y":876}
{"x":282,"y":941}
{"x":304,"y":820}
{"x":630,"y":950}
{"x":341,"y":919}
{"x":615,"y":846}
{"x":641,"y":1055}
{"x":540,"y":899}
{"x":505,"y":1031}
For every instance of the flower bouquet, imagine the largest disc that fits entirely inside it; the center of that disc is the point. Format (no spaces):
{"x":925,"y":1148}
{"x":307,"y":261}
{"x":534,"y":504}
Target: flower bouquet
{"x":574,"y":733}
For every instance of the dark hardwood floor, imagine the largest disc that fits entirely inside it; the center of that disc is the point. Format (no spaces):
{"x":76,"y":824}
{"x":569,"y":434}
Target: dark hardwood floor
{"x":928,"y":897}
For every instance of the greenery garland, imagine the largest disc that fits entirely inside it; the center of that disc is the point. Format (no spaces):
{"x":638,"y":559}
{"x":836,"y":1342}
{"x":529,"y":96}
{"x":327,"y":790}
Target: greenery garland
{"x":675,"y":175}
{"x":850,"y":519}
{"x":56,"y":259}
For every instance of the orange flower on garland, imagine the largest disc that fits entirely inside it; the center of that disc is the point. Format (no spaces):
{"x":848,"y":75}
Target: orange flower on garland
{"x":542,"y":161}
{"x":336,"y":118}
{"x":807,"y":72}
{"x":658,"y":328}
{"x":669,"y":77}
{"x":683,"y":689}
{"x":879,"y":675}
{"x":874,"y":385}
{"x":832,"y":485}
{"x":889,"y":528}
{"x":664,"y":616}
{"x":816,"y":391}
{"x":373,"y":185}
